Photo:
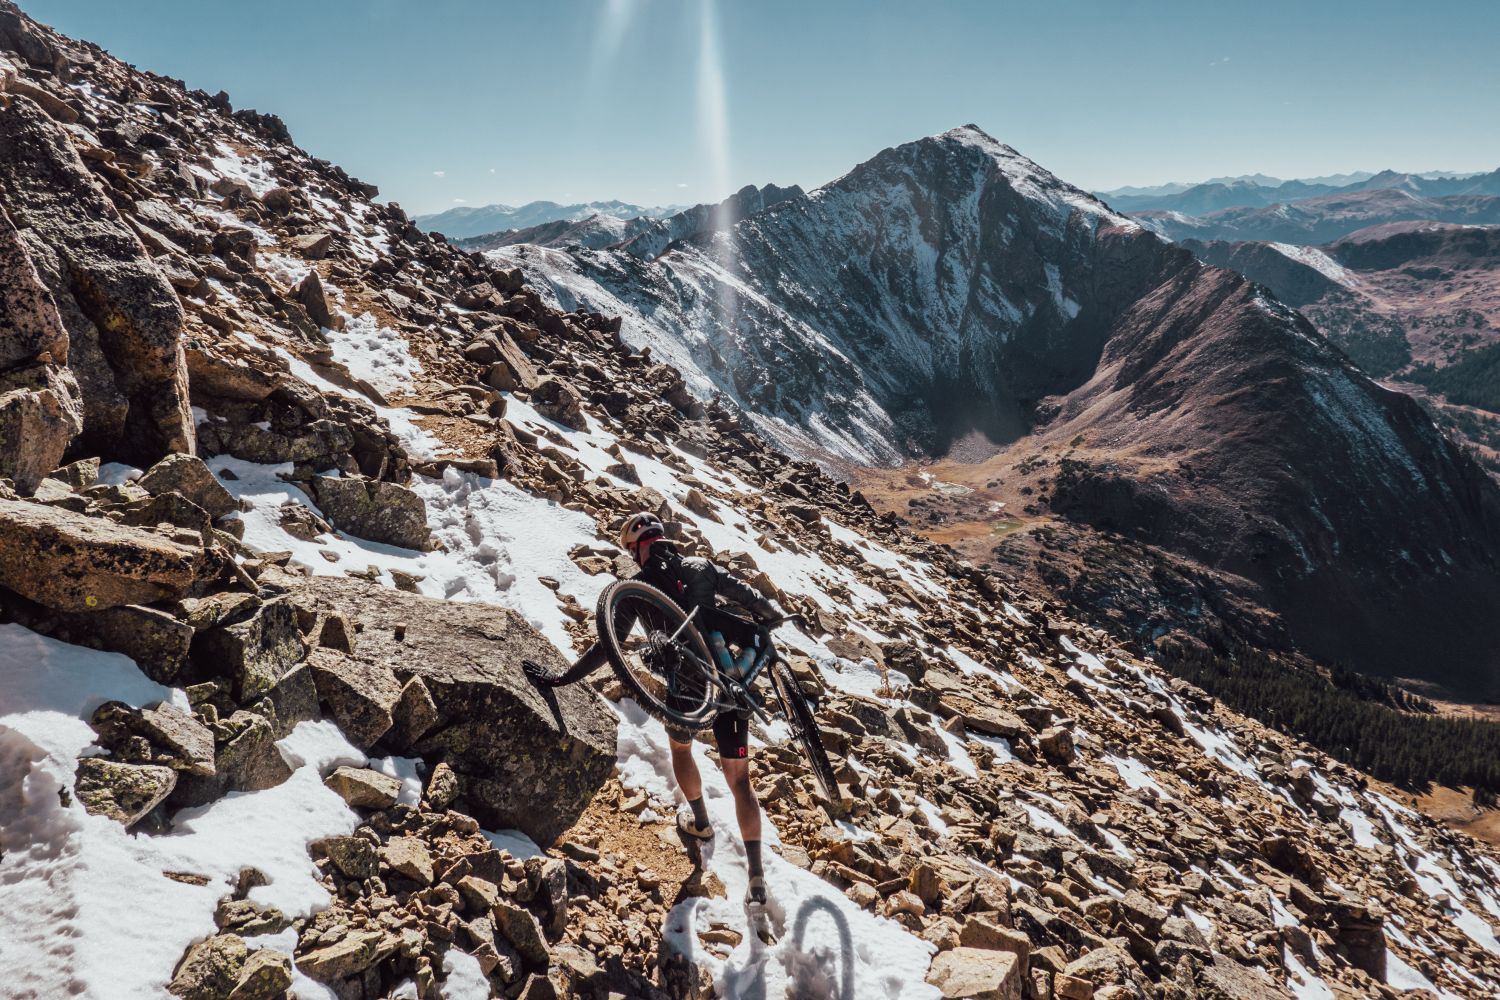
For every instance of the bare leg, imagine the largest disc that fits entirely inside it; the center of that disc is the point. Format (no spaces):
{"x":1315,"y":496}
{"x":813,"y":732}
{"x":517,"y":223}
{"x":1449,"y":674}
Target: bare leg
{"x":746,"y":807}
{"x":685,"y":769}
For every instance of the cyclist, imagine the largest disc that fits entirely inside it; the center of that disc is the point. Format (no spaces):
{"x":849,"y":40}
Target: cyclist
{"x":698,"y":584}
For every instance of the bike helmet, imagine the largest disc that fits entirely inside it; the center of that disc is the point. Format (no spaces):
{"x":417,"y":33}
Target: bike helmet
{"x":640,"y":527}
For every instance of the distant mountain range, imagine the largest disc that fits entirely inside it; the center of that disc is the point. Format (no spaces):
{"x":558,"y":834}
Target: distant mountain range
{"x":1262,"y":189}
{"x":479,"y":220}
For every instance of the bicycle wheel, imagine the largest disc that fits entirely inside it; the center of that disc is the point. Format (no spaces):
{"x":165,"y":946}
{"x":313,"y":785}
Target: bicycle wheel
{"x":804,"y":727}
{"x":669,"y":678}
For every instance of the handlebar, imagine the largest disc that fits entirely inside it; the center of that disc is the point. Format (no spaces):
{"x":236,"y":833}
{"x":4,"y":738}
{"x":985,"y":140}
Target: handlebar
{"x":773,"y":623}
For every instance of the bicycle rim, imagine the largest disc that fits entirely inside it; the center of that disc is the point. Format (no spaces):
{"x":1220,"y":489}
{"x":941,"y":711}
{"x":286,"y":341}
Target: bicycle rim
{"x":669,"y":680}
{"x":799,"y":714}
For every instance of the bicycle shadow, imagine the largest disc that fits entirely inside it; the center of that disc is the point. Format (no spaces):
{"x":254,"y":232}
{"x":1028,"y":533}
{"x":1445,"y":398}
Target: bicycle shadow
{"x":813,"y":972}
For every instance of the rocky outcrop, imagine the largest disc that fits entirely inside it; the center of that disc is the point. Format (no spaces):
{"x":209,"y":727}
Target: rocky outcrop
{"x":72,"y":562}
{"x":519,"y":762}
{"x":39,"y":416}
{"x":380,"y":511}
{"x":188,"y":476}
{"x":124,"y":321}
{"x":40,"y":412}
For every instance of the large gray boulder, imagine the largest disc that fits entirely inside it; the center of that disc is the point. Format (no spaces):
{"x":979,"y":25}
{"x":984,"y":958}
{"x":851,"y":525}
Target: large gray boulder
{"x":123,"y":319}
{"x":72,"y":562}
{"x":520,"y":763}
{"x":372,"y":509}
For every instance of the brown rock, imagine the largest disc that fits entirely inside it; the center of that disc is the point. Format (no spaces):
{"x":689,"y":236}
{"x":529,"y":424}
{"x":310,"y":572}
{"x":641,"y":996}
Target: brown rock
{"x":977,"y":974}
{"x":254,"y":654}
{"x":188,"y":475}
{"x":210,"y":969}
{"x":408,"y":857}
{"x":266,"y":975}
{"x":73,"y":562}
{"x":364,"y":788}
{"x":373,"y":509}
{"x":177,"y":740}
{"x":123,"y":792}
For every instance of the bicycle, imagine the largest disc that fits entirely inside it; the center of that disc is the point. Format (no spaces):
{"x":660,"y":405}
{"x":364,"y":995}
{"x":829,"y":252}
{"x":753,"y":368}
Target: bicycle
{"x":664,"y":663}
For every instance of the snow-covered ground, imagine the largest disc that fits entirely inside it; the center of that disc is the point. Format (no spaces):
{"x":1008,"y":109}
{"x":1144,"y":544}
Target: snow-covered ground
{"x":73,"y":885}
{"x":825,"y":946}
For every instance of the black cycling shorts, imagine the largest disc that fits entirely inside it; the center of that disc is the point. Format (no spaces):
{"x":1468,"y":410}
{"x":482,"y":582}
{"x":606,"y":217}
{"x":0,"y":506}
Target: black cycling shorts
{"x":731,"y":732}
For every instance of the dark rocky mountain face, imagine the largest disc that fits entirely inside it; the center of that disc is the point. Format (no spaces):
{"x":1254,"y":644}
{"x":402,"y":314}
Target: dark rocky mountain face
{"x":950,"y":286}
{"x":1415,"y":303}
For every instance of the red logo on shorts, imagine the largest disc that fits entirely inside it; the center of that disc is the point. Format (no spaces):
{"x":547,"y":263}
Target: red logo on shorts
{"x":743,"y":752}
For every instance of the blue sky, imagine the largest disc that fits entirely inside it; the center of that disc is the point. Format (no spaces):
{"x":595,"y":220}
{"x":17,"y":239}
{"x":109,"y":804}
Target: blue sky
{"x":660,"y":101}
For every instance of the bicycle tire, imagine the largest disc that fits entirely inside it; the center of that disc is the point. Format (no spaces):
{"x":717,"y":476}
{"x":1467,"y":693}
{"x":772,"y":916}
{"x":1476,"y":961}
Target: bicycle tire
{"x":794,"y":704}
{"x":620,"y":606}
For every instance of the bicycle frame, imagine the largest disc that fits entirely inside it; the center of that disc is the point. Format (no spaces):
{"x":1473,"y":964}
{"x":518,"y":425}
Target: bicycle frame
{"x":738,"y":690}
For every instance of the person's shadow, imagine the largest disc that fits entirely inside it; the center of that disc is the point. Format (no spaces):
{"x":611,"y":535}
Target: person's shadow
{"x":814,"y":974}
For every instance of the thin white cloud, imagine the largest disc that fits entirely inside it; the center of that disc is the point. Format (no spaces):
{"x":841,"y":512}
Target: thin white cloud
{"x":460,"y":201}
{"x":440,"y":173}
{"x":683,"y":184}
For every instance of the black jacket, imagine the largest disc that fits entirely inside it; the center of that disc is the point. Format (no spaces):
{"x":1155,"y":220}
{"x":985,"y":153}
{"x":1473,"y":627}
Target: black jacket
{"x":695,"y":582}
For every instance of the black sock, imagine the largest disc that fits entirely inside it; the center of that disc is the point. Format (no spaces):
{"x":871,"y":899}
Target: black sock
{"x":700,"y":812}
{"x":752,"y":857}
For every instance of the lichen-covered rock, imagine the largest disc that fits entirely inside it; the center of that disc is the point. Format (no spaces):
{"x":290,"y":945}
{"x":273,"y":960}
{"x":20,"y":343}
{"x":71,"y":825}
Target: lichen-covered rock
{"x":124,"y":320}
{"x":123,"y":792}
{"x":977,"y":974}
{"x":188,"y":475}
{"x":369,"y":508}
{"x":266,"y":975}
{"x":40,"y":414}
{"x":254,"y":653}
{"x":174,"y":738}
{"x":73,"y":562}
{"x":360,"y":695}
{"x":352,"y":954}
{"x":210,"y":969}
{"x":355,"y":857}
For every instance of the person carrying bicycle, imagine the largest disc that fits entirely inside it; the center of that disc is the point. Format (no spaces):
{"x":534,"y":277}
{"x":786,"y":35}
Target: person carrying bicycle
{"x":698,"y":585}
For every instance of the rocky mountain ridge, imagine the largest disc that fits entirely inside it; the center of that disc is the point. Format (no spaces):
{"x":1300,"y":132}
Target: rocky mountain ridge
{"x":262,"y":728}
{"x":645,"y":236}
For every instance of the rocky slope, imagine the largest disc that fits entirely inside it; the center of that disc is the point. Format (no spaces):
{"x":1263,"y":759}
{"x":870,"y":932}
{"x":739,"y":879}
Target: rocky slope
{"x":261,"y":728}
{"x":950,"y":288}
